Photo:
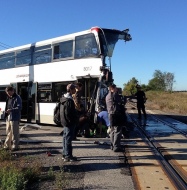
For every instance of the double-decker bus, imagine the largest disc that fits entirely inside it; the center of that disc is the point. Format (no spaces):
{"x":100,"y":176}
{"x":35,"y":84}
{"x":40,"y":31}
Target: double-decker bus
{"x":41,"y":71}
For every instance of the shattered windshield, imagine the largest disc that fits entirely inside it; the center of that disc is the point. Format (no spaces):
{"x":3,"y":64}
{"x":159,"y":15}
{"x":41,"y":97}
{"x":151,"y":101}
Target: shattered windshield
{"x":108,"y":40}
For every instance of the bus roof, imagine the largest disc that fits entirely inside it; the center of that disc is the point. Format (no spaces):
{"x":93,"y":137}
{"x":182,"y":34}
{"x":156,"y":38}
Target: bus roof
{"x":68,"y":36}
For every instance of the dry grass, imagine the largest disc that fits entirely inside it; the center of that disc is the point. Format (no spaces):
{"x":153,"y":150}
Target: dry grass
{"x":175,"y":102}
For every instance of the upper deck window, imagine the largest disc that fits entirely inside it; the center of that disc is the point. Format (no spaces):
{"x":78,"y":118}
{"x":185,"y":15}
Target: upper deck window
{"x":63,"y":50}
{"x":23,"y":57}
{"x":42,"y":54}
{"x":7,"y":60}
{"x":86,"y":46}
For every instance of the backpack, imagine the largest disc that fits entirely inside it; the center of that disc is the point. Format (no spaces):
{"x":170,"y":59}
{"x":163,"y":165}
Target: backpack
{"x":56,"y":114}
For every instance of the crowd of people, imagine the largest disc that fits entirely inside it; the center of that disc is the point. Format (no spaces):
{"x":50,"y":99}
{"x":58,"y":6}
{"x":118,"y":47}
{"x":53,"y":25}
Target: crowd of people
{"x":111,"y":118}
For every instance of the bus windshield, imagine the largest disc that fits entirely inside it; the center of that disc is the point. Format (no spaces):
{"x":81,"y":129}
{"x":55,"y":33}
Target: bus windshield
{"x":109,"y":38}
{"x":108,"y":43}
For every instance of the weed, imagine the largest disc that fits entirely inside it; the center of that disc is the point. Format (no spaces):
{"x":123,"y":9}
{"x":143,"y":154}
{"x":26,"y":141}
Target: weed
{"x":5,"y":155}
{"x":62,"y":179}
{"x":17,"y":173}
{"x":51,"y":174}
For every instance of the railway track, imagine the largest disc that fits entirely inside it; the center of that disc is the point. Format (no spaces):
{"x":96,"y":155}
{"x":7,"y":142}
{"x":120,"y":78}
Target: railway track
{"x":167,"y":139}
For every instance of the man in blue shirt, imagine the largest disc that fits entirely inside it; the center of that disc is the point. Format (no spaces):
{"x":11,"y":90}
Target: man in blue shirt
{"x":103,"y":119}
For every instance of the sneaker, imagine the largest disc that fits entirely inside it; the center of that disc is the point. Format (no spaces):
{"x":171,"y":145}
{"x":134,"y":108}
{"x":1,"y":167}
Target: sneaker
{"x":118,"y":150}
{"x":5,"y":148}
{"x":14,"y":149}
{"x":70,"y":159}
{"x":111,"y":146}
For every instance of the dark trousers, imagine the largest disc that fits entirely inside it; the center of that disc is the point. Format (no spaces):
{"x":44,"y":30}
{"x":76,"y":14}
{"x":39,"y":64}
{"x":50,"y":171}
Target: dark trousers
{"x":115,"y":136}
{"x":116,"y":130}
{"x":141,"y":107}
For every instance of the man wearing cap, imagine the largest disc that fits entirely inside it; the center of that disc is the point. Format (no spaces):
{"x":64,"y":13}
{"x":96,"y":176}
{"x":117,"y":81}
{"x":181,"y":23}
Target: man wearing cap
{"x":141,"y":99}
{"x":116,"y":116}
{"x":68,"y":119}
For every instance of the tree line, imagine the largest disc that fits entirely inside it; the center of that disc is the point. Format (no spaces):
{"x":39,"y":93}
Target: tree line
{"x":161,"y":81}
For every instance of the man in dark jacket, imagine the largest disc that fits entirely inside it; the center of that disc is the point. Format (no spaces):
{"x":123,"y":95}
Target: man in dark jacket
{"x":116,"y":115}
{"x":141,"y":99}
{"x":68,"y":117}
{"x":12,"y":115}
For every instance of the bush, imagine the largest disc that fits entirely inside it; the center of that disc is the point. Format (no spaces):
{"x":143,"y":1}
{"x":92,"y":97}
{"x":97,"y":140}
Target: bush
{"x":17,"y":173}
{"x":11,"y":179}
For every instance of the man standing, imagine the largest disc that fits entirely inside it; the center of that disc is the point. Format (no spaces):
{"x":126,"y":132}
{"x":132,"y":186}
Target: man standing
{"x":12,"y":115}
{"x":116,"y":116}
{"x":141,"y":99}
{"x":68,"y":117}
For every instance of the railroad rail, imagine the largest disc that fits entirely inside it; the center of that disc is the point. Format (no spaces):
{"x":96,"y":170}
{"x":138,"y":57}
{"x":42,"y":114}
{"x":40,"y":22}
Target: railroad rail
{"x":167,"y":139}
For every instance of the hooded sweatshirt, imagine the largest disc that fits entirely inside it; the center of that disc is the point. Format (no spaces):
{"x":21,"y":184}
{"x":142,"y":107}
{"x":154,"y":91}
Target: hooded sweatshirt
{"x":68,"y":114}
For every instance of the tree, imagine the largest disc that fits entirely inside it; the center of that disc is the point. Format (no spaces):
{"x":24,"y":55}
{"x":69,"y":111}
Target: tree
{"x":161,"y":81}
{"x":169,"y":81}
{"x":130,"y":87}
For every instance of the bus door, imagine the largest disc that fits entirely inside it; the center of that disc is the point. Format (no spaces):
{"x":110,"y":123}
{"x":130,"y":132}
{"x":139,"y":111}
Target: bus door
{"x":27,"y":91}
{"x":88,"y":91}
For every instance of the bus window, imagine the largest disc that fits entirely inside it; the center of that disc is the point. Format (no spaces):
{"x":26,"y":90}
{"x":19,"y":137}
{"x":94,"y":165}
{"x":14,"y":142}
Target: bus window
{"x":44,"y":92}
{"x":59,"y":89}
{"x":3,"y":95}
{"x":63,"y":50}
{"x":7,"y":60}
{"x":23,"y":57}
{"x":42,"y":54}
{"x":86,"y":46}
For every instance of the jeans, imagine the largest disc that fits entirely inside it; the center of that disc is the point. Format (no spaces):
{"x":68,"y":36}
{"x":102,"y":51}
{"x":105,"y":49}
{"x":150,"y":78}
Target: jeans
{"x":68,"y":135}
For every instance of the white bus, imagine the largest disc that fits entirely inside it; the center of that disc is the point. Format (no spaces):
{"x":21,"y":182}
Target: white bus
{"x":41,"y":71}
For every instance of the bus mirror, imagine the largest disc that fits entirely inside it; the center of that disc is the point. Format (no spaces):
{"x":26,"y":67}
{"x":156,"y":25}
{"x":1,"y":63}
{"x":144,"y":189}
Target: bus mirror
{"x":109,"y":76}
{"x":127,"y":36}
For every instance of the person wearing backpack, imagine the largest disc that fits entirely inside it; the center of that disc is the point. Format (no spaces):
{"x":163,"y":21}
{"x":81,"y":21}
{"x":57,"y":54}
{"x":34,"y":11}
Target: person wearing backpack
{"x":56,"y":114}
{"x":68,"y":118}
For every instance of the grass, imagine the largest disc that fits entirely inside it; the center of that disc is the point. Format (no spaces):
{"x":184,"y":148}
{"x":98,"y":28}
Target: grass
{"x":17,"y":173}
{"x":21,"y":173}
{"x":175,"y":102}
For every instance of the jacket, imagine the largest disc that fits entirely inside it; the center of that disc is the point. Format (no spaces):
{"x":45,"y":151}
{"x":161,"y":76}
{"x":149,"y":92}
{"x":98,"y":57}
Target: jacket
{"x":68,"y":116}
{"x":113,"y":103}
{"x":16,"y":106}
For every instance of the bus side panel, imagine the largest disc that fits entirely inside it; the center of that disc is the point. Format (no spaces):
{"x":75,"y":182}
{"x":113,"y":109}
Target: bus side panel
{"x":44,"y":112}
{"x":2,"y":109}
{"x":49,"y":72}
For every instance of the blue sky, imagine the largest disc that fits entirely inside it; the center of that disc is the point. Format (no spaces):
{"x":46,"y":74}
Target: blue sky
{"x":158,"y":29}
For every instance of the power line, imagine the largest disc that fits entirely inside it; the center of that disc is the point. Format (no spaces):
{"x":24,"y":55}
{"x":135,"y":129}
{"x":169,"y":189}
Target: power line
{"x":5,"y":45}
